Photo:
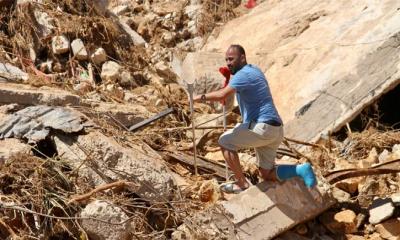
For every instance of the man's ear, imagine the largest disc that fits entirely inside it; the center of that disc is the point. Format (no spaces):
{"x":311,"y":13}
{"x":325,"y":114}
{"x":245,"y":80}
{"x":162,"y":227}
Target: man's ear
{"x":242,"y":58}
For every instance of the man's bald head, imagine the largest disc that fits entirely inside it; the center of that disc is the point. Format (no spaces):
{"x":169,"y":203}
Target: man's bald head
{"x":235,"y":58}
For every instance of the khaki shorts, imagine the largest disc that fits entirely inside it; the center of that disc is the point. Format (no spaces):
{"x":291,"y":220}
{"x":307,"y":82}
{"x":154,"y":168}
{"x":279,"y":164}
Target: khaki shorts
{"x":263,"y":137}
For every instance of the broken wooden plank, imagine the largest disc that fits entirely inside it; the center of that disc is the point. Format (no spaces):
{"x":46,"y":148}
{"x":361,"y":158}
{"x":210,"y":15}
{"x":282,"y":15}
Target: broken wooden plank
{"x":203,"y":165}
{"x":152,"y":119}
{"x":383,"y":168}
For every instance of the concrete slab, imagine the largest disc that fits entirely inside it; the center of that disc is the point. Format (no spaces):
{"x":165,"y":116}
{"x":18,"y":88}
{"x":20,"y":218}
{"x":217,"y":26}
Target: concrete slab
{"x":268,"y":209}
{"x":27,"y":95}
{"x":261,"y":212}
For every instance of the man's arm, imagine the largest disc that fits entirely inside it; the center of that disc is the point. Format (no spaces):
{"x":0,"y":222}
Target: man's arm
{"x":218,"y":95}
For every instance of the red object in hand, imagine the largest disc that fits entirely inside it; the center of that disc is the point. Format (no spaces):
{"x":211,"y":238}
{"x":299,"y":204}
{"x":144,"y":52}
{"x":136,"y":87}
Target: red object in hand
{"x":227,"y":74}
{"x":250,"y":4}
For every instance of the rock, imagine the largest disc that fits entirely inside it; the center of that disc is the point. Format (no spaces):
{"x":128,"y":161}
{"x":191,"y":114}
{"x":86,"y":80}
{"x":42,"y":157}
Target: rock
{"x":396,"y":199}
{"x":347,"y":219}
{"x":47,"y":23}
{"x":166,"y":72}
{"x":389,"y":229}
{"x":99,"y":56}
{"x":349,"y":185}
{"x":137,"y":39}
{"x":109,"y":213}
{"x":384,"y":156}
{"x":119,"y":10}
{"x":12,"y":146}
{"x":340,"y":195}
{"x":126,"y":80}
{"x":79,"y":50}
{"x":109,"y":161}
{"x":60,"y":44}
{"x":83,"y":87}
{"x":9,"y":72}
{"x":339,"y":223}
{"x":110,"y":71}
{"x":380,"y":210}
{"x":370,"y":160}
{"x":215,"y":156}
{"x":396,"y":151}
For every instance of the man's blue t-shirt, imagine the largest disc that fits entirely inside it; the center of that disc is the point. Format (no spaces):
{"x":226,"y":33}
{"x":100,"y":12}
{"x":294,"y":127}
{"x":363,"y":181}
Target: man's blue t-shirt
{"x":253,"y":95}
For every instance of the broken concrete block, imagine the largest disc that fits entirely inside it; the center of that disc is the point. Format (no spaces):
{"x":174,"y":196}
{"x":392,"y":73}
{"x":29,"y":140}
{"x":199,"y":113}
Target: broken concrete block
{"x":380,"y":210}
{"x":136,"y":38}
{"x":389,"y":229}
{"x":35,"y":123}
{"x":109,"y":161}
{"x":99,"y":56}
{"x":79,"y":50}
{"x":9,"y":72}
{"x":106,"y":212}
{"x":26,"y":95}
{"x":11,"y":146}
{"x":60,"y":44}
{"x":110,"y":71}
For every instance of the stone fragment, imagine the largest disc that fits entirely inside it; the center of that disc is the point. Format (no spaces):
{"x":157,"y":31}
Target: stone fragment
{"x":60,"y":44}
{"x":349,"y":185}
{"x":348,"y":220}
{"x":79,"y":50}
{"x":380,"y":210}
{"x":166,"y":72}
{"x":11,"y":73}
{"x":340,"y":195}
{"x":137,"y":39}
{"x":396,"y":198}
{"x":106,"y":212}
{"x":126,"y":79}
{"x":11,"y":146}
{"x":370,"y":160}
{"x":389,"y":229}
{"x":99,"y":56}
{"x":47,"y":23}
{"x":83,"y":87}
{"x":384,"y":156}
{"x":110,"y":71}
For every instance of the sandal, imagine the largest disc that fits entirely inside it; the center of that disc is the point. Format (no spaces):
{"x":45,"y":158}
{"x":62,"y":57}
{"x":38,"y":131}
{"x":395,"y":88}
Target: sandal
{"x":231,"y":187}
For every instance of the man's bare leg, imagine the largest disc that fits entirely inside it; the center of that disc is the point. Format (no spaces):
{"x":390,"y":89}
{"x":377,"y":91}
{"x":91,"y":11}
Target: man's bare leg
{"x":232,"y":158}
{"x":268,"y":174}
